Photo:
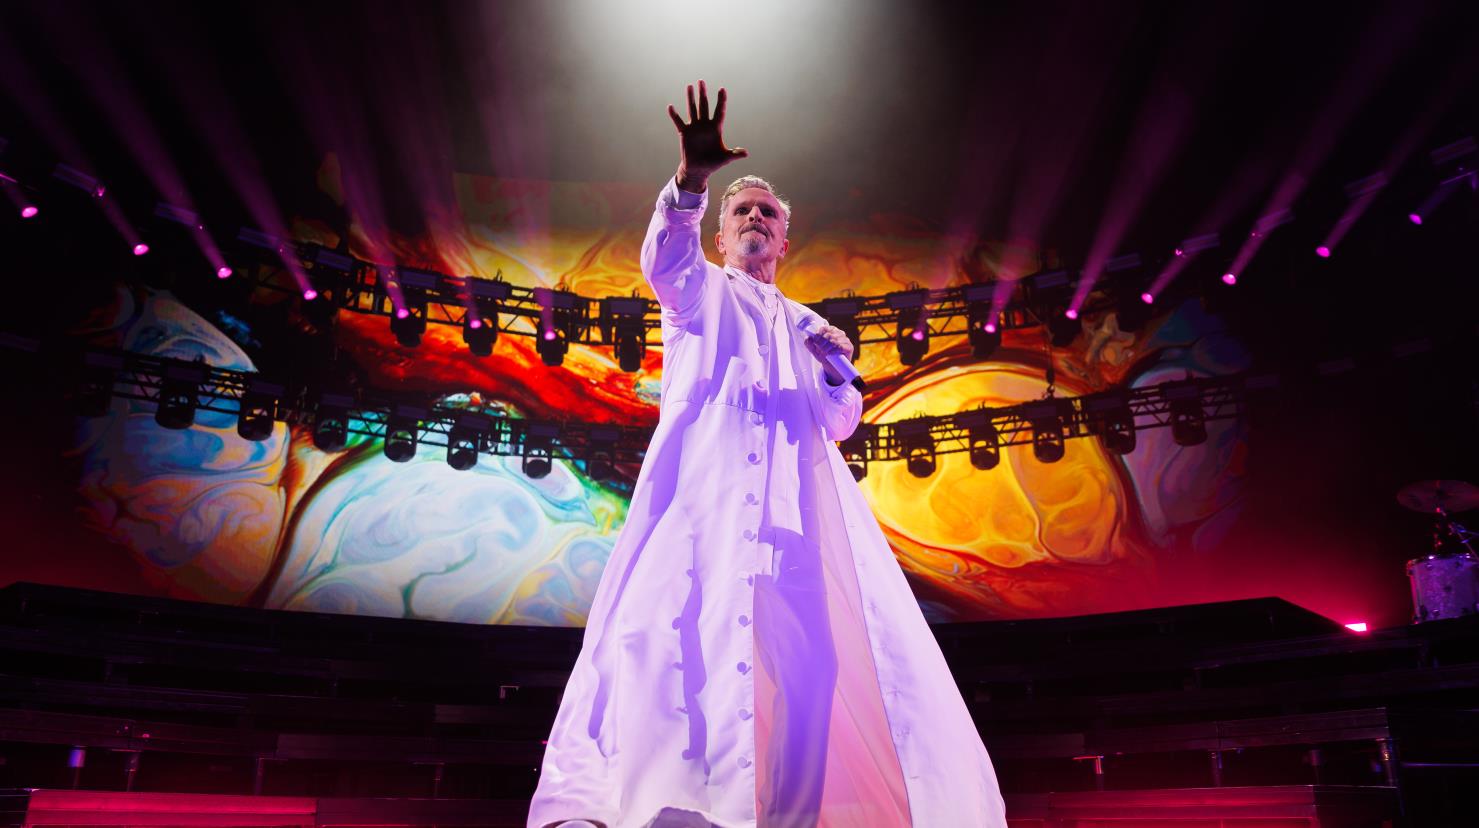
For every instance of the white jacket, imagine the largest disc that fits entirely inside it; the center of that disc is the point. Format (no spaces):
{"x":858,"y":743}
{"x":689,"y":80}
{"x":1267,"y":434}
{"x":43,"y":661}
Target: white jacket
{"x":753,"y":654}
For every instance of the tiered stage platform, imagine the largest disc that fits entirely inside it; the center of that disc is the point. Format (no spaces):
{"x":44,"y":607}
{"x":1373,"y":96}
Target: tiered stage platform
{"x":119,"y":710}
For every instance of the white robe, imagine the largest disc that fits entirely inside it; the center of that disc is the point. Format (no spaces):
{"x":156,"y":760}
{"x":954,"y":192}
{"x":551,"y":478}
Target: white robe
{"x":754,"y":654}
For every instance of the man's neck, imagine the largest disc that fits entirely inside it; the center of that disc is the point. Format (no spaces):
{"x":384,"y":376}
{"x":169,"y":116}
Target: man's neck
{"x":759,"y":271}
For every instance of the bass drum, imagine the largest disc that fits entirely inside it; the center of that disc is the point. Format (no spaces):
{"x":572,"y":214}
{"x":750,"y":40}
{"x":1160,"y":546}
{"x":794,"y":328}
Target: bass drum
{"x":1444,"y":586}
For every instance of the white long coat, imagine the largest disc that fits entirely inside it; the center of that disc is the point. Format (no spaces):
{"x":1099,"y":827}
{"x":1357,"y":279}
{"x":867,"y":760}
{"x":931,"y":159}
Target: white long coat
{"x":753,"y":653}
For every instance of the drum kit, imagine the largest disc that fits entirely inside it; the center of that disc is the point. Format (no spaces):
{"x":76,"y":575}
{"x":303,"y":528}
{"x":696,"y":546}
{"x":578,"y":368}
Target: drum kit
{"x":1445,"y":582}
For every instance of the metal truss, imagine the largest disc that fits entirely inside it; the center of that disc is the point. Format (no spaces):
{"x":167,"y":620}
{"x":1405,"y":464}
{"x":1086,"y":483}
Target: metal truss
{"x":346,"y":283}
{"x":178,"y":389}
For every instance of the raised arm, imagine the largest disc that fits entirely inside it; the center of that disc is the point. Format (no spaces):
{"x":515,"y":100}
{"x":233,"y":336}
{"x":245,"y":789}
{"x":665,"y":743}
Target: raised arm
{"x":672,"y":254}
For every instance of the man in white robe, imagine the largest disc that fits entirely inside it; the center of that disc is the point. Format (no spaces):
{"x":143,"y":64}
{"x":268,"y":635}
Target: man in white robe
{"x":753,"y":654}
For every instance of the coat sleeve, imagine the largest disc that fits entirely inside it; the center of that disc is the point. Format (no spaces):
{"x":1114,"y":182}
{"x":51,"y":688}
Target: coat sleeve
{"x":672,"y":254}
{"x":838,"y":406}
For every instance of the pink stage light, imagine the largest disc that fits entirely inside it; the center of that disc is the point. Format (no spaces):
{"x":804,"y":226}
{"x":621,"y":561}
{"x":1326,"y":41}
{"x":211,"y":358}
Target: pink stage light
{"x":989,"y":327}
{"x":549,"y":335}
{"x":310,"y":294}
{"x":1229,"y":278}
{"x":140,"y":249}
{"x":1071,"y":313}
{"x":918,"y":335}
{"x":100,"y":191}
{"x":401,"y":313}
{"x":29,"y":210}
{"x":223,"y":272}
{"x":476,"y":323}
{"x":1147,"y":298}
{"x":1180,"y":252}
{"x":1322,"y":251}
{"x":1414,"y":218}
{"x":1357,"y":626}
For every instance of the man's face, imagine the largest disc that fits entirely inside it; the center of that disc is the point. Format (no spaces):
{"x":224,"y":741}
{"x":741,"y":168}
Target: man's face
{"x":754,"y":227}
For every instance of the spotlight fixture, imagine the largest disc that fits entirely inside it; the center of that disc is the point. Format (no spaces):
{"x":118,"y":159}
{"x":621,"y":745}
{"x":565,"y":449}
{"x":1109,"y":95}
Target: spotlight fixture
{"x":983,"y":328}
{"x":408,"y":322}
{"x":401,"y":430}
{"x":177,"y":395}
{"x":913,"y":334}
{"x":258,"y":413}
{"x":556,"y":326}
{"x":1188,"y":420}
{"x":982,"y":442}
{"x":600,"y":457}
{"x":1110,"y":418}
{"x":912,"y":338}
{"x":1047,"y":430}
{"x":331,"y":422}
{"x":538,"y":445}
{"x":480,"y":335}
{"x":487,"y":296}
{"x":466,"y":439}
{"x":918,"y":445}
{"x":855,"y":449}
{"x":626,"y":330}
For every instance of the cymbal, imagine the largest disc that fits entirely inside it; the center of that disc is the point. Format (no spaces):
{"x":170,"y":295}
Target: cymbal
{"x":1432,"y":495}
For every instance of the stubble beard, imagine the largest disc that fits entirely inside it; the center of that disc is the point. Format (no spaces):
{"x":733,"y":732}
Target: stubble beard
{"x":752,"y":244}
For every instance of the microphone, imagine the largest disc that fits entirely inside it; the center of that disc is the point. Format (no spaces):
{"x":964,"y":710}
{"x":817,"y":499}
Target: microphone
{"x":810,"y":325}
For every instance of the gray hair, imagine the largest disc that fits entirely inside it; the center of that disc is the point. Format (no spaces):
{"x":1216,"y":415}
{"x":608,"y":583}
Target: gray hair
{"x":746,"y":182}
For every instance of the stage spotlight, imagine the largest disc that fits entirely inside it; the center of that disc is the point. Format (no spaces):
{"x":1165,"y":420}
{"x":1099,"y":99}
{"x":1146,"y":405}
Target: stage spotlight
{"x":1063,"y":329}
{"x":538,"y":445}
{"x":1047,"y":430}
{"x":982,"y":442}
{"x":1188,"y":420}
{"x":258,"y":414}
{"x":982,"y":330}
{"x":401,"y":431}
{"x":1229,"y":278}
{"x":913,"y":334}
{"x":918,"y":446}
{"x":855,"y":450}
{"x":552,"y":347}
{"x":466,"y":439}
{"x":627,"y":330}
{"x":331,"y":422}
{"x":408,"y":323}
{"x":600,"y":458}
{"x":29,"y":211}
{"x":557,"y":324}
{"x":913,"y":339}
{"x":1111,"y":419}
{"x":480,"y":335}
{"x":140,"y":249}
{"x":177,"y":396}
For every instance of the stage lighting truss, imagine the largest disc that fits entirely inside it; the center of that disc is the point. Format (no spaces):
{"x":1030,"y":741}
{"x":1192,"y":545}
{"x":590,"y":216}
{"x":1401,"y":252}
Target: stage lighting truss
{"x":180,"y":389}
{"x":909,"y":318}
